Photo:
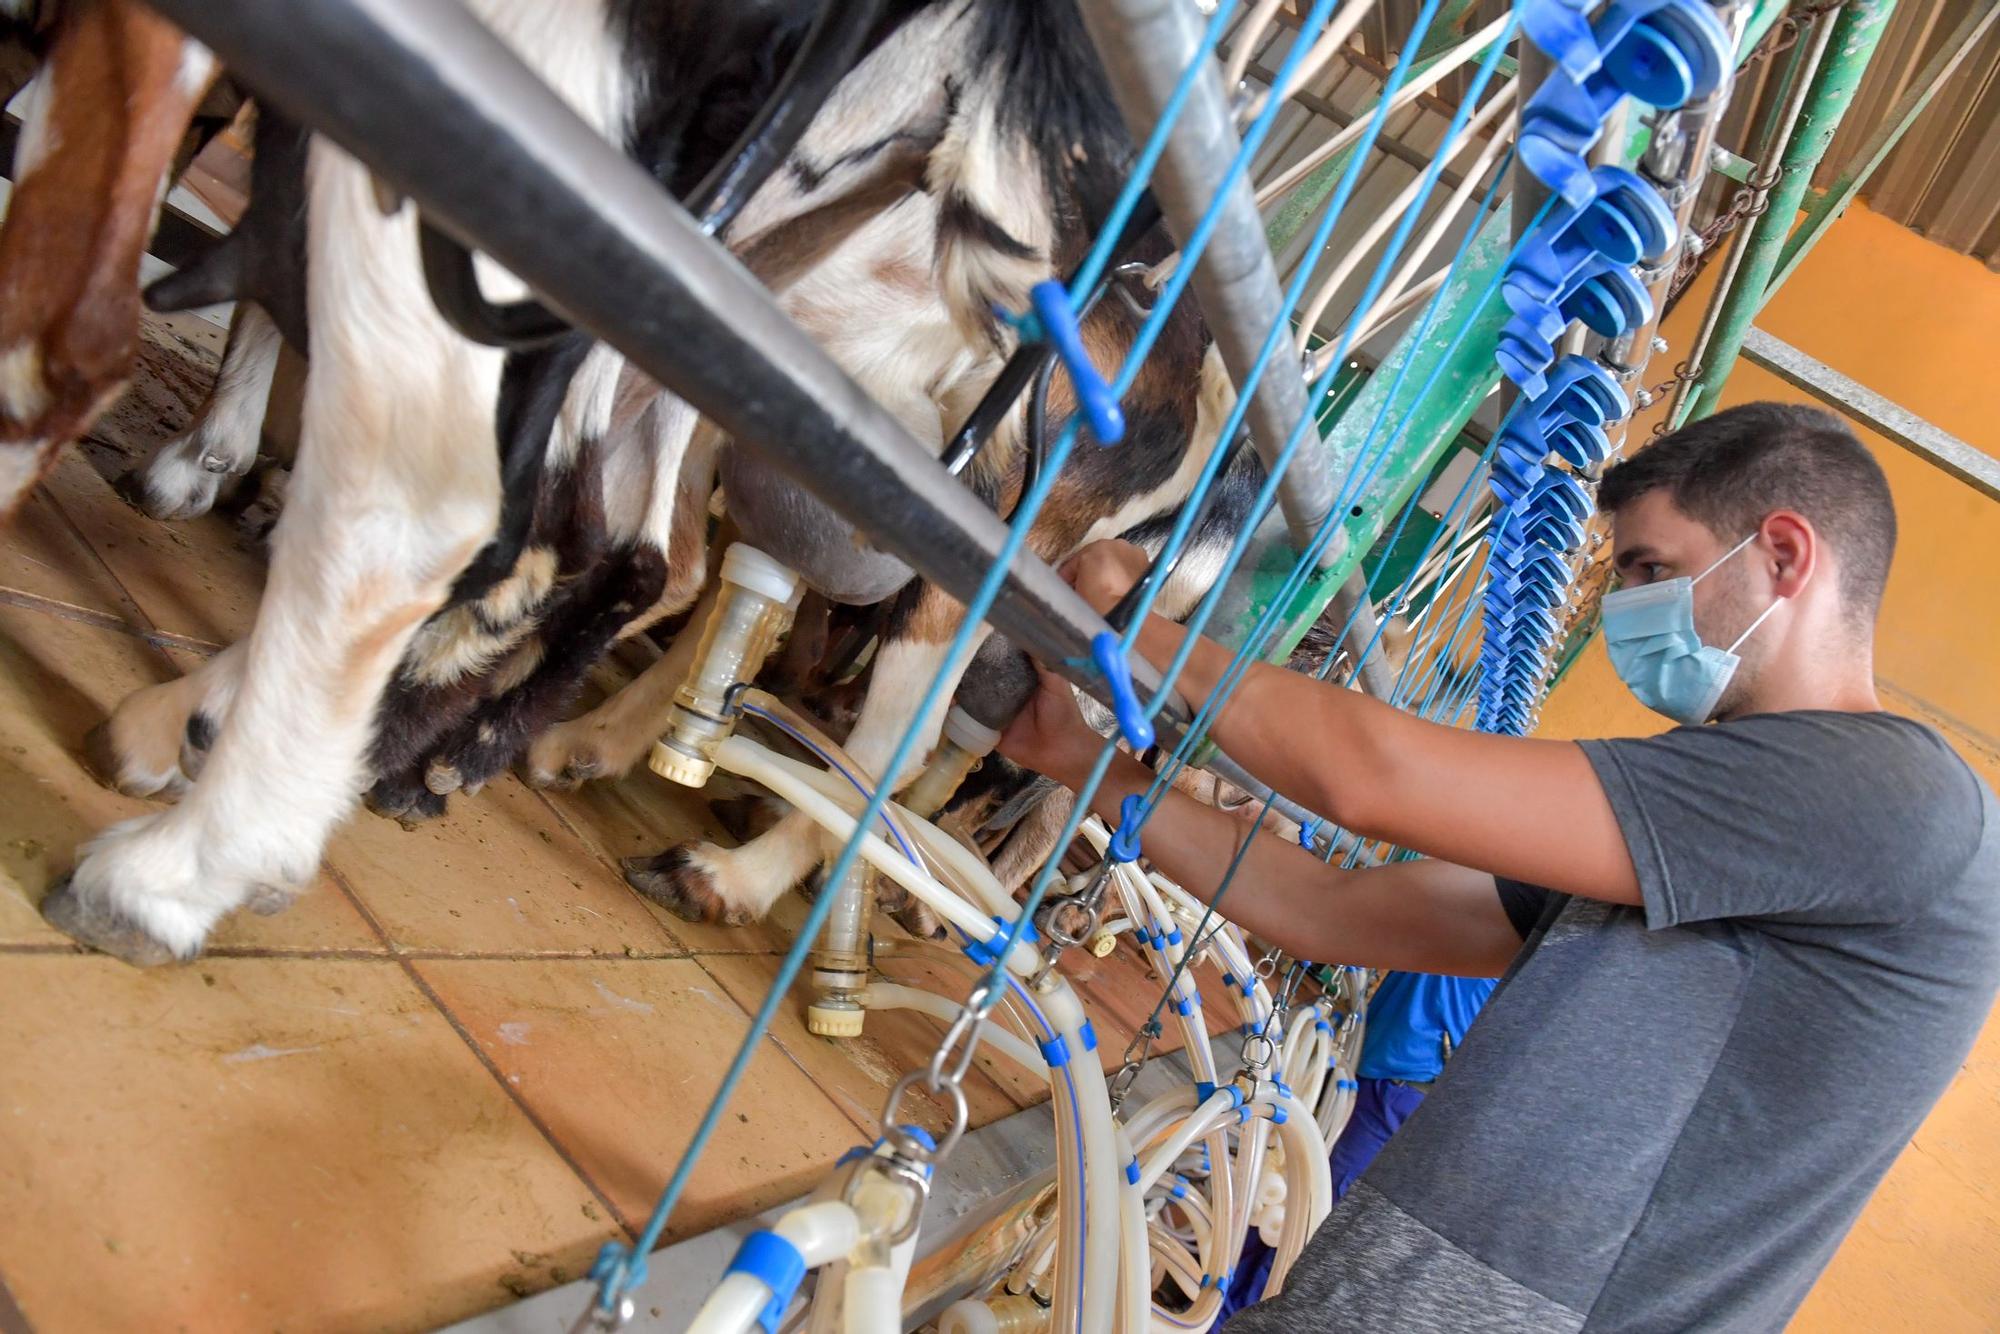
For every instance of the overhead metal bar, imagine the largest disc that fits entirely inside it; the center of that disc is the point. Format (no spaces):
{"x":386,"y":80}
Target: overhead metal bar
{"x":505,"y":166}
{"x":1887,"y":418}
{"x":1145,"y":45}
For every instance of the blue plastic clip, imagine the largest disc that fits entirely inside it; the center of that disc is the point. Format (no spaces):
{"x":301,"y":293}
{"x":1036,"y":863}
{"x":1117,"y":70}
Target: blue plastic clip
{"x":1278,"y":1115}
{"x":984,"y":952}
{"x":1125,"y":839}
{"x":1203,"y":1091}
{"x":1306,"y":832}
{"x":1133,"y":724}
{"x":1054,"y":321}
{"x":1055,"y":1051}
{"x":769,"y":1257}
{"x":1089,"y":1036}
{"x":1132,"y":1171}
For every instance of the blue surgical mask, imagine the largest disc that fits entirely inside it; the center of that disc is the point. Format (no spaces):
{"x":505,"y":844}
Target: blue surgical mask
{"x":1650,"y":633}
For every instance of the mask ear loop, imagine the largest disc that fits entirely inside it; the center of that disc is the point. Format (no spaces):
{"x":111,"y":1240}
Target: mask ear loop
{"x":1754,"y":624}
{"x":1723,"y":557}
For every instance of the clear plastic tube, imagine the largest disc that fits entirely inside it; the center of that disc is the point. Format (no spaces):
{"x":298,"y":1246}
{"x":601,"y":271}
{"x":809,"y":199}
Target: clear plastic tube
{"x":891,"y":996}
{"x":799,"y":785}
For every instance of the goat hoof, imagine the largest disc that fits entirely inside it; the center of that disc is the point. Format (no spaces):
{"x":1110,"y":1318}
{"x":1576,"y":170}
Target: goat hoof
{"x":269,"y":900}
{"x":100,"y":756}
{"x":101,"y":927}
{"x":443,"y":778}
{"x":426,"y":807}
{"x":388,"y":800}
{"x":673,"y":880}
{"x":570,"y":769}
{"x":404,"y":802}
{"x":909,"y":912}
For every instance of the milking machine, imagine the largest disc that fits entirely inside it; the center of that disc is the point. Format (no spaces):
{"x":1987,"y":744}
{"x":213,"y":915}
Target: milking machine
{"x":1158,"y":1199}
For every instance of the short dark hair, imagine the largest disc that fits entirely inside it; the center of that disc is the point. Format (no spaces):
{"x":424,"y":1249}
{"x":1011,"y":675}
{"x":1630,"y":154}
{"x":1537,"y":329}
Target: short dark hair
{"x":1729,"y":471}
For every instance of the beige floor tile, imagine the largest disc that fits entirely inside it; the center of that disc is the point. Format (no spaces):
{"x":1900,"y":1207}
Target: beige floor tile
{"x":256,"y":1144}
{"x":58,"y":679}
{"x":200,"y":579}
{"x":619,"y":1058}
{"x":857,"y":1073}
{"x":498,"y":875}
{"x":642,"y":814}
{"x":43,"y":556}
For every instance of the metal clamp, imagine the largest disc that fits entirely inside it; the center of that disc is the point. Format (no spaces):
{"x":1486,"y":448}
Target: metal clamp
{"x":908,"y":1171}
{"x":1132,"y":275}
{"x":596,"y":1320}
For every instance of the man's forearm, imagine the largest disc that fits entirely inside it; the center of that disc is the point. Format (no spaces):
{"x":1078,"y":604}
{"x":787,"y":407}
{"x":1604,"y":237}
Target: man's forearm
{"x":1414,"y":915}
{"x":1271,"y":712}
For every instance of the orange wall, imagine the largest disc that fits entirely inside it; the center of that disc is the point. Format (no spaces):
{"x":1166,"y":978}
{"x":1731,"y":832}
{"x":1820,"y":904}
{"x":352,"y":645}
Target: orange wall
{"x":1920,"y":324}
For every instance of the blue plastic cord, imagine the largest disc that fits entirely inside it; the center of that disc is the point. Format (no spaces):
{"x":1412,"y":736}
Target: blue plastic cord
{"x":1253,"y":643}
{"x":1252,"y":646}
{"x":1267,"y":496}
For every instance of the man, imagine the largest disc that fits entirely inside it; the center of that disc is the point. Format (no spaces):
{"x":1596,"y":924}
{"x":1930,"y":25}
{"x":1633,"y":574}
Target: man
{"x":1741,"y":961}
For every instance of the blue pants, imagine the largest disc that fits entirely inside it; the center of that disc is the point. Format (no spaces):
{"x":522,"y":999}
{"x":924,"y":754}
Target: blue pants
{"x":1380,"y":1106}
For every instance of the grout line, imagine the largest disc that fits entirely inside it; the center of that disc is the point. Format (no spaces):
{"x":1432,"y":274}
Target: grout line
{"x":479,"y":1053}
{"x":13,"y":1320}
{"x":138,"y":610}
{"x":104,"y":620}
{"x":547,"y":1132}
{"x":610,"y":863}
{"x":779,"y":1043}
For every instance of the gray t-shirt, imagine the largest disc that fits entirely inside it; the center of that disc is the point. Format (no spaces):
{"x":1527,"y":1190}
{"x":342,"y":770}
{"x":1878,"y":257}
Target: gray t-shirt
{"x":1668,"y":1117}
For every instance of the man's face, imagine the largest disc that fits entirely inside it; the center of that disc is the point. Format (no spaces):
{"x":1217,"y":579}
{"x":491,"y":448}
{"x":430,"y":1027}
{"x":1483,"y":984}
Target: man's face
{"x":1652,"y":541}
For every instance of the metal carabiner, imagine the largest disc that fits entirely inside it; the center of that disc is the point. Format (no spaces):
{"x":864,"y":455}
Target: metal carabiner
{"x":596,"y":1320}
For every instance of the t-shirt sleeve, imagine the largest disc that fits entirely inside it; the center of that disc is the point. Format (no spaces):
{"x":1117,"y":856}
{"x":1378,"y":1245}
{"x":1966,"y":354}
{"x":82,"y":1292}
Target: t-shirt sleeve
{"x":1523,"y":903}
{"x":1803,"y":816}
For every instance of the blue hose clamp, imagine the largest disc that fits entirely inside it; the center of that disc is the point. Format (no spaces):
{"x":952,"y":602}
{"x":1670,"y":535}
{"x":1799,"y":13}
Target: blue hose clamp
{"x":776,"y":1263}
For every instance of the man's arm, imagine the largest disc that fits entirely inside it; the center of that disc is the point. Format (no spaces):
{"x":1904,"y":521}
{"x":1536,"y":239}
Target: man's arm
{"x":1427,"y":916}
{"x":1527,"y":810}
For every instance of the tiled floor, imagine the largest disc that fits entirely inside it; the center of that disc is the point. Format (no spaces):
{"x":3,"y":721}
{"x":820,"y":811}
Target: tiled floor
{"x":440,"y":1080}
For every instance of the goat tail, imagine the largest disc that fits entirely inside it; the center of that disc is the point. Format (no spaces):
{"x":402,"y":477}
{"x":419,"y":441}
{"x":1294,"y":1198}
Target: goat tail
{"x":995,"y":222}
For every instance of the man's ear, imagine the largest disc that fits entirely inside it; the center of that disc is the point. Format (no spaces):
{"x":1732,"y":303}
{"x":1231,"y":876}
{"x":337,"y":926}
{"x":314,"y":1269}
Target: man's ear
{"x":1791,"y":547}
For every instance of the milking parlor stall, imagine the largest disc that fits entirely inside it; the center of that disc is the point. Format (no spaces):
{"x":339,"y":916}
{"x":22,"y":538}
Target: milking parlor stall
{"x":527,"y":522}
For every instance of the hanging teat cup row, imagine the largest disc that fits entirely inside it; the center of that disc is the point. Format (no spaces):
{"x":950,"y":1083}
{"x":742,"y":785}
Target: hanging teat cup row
{"x":1577,"y":265}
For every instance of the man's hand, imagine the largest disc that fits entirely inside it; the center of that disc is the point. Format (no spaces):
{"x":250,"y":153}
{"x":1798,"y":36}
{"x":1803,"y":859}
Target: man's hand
{"x":1105,"y":571}
{"x":1050,"y":735}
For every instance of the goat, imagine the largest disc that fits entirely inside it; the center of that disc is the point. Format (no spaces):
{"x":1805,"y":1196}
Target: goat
{"x":1025,"y":173}
{"x":106,"y":118}
{"x":393,"y":497}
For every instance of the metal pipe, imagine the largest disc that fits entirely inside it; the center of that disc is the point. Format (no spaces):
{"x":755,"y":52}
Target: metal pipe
{"x":1350,"y":607}
{"x":1145,"y":46}
{"x":1772,"y":138}
{"x":1827,"y":206}
{"x":1886,"y":418}
{"x":1676,"y":162}
{"x":1851,"y":39}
